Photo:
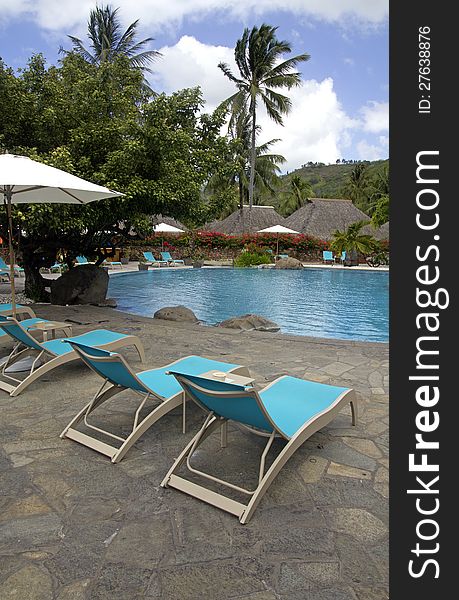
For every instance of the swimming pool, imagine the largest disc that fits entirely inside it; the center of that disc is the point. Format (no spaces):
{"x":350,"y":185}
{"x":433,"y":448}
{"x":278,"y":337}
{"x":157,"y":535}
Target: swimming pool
{"x":328,"y":303}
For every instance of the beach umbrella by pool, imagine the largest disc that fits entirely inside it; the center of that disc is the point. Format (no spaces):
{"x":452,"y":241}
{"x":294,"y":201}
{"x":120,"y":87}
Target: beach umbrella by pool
{"x":165,"y":228}
{"x":278,"y":229}
{"x":25,"y":181}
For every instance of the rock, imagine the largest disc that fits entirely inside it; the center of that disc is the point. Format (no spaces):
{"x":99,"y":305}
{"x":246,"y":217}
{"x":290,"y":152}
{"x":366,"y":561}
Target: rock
{"x":176,"y":313}
{"x":250,"y":323}
{"x":109,"y":302}
{"x":288,"y":263}
{"x":85,"y":284}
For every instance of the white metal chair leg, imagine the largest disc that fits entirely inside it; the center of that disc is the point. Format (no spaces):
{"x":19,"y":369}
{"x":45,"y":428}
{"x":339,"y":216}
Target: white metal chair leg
{"x":147,"y":422}
{"x":48,"y":366}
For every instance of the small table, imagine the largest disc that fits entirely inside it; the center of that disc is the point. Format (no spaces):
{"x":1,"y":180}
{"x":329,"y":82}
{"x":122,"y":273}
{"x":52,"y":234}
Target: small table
{"x":51,"y":327}
{"x":231,"y":378}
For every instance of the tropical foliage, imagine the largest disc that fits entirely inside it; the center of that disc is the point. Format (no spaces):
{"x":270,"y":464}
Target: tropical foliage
{"x":296,"y":195}
{"x":108,"y":42}
{"x":353,"y":241}
{"x":261,"y":75}
{"x":237,"y":175}
{"x":98,"y":122}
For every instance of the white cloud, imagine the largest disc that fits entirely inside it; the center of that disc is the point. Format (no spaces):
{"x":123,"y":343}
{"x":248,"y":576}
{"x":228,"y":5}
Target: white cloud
{"x":375,"y":117}
{"x":316,"y":129}
{"x":368,"y":151}
{"x":191,"y":63}
{"x":66,"y":14}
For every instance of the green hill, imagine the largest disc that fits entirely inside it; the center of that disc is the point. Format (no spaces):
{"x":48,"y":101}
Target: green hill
{"x":328,"y":181}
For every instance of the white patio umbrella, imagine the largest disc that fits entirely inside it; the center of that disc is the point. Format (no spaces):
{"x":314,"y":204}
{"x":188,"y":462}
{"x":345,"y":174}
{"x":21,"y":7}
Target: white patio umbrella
{"x":278,"y":229}
{"x":25,"y":181}
{"x":165,"y":228}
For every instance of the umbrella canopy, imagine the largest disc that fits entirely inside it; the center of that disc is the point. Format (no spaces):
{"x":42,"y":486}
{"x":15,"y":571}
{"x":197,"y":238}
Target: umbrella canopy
{"x":278,"y":229}
{"x":31,"y":182}
{"x":165,"y":228}
{"x":25,"y":181}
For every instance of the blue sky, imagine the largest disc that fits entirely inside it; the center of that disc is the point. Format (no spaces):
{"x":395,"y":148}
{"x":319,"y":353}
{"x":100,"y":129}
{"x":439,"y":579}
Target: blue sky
{"x":341,"y":110}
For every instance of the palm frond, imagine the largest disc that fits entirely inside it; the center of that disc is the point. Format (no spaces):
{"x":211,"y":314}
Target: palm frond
{"x":80,"y":49}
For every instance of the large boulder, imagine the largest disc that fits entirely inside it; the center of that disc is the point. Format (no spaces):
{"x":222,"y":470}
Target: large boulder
{"x":250,"y":323}
{"x":288,"y":263}
{"x":85,"y":284}
{"x":181,"y":314}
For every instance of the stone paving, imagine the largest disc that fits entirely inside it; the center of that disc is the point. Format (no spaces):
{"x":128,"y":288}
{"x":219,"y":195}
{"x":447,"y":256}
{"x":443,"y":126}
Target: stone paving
{"x":73,"y":526}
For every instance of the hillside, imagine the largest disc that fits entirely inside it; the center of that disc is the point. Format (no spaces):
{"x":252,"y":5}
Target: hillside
{"x":328,"y":181}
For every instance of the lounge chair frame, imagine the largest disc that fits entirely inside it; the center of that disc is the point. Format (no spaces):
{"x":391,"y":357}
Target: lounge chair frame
{"x":139,"y":427}
{"x":51,"y":359}
{"x":244,"y":512}
{"x":19,"y":309}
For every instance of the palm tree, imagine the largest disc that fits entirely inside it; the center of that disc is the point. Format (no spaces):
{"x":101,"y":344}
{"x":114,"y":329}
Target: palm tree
{"x":267,"y":167}
{"x":266,"y":164}
{"x":108,"y":42}
{"x":379,"y":197}
{"x":353,"y":241}
{"x":356,"y":188}
{"x":257,"y":54}
{"x":298,"y":194}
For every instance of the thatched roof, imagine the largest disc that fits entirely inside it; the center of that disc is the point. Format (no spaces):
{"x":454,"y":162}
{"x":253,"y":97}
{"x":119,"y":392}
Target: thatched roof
{"x":383,"y":231}
{"x":247,"y":220}
{"x":321,"y":217}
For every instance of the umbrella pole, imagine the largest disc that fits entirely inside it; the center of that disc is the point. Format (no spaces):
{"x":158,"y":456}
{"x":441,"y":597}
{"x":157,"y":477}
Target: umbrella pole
{"x":10,"y":243}
{"x":277,"y":247}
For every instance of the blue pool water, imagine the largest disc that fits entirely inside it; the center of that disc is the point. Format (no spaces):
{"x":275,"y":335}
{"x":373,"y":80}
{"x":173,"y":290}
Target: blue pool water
{"x":328,"y":303}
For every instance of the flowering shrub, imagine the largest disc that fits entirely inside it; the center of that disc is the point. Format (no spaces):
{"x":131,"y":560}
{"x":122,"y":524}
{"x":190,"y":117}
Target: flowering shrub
{"x":217,"y":246}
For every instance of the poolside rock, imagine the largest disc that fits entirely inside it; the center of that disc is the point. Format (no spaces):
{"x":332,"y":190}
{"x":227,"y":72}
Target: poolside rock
{"x":288,"y":263}
{"x":176,"y":313}
{"x":250,"y":323}
{"x":85,"y":284}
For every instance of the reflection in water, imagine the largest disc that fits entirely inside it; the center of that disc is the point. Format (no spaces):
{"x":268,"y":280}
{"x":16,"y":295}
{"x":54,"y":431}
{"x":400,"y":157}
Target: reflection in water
{"x":317,"y":302}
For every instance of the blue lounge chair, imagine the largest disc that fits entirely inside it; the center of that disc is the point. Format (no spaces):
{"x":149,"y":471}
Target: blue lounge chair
{"x":112,"y":263}
{"x":290,"y":408}
{"x":53,"y":353}
{"x":328,"y":256}
{"x":151,"y":259}
{"x":5,"y":269}
{"x":153,"y":385}
{"x":167,"y":257}
{"x":279,"y":256}
{"x":7,"y":309}
{"x":82,"y":260}
{"x":26,"y":324}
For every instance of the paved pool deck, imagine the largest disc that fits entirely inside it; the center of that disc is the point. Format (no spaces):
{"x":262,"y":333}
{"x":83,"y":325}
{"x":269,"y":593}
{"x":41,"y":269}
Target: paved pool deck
{"x":73,"y":526}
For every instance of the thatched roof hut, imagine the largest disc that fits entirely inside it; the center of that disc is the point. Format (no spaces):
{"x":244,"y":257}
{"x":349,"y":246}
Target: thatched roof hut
{"x":321,"y":217}
{"x":383,"y":232}
{"x":247,"y":220}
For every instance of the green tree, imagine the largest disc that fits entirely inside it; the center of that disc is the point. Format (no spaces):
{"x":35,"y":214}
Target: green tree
{"x":356,"y":188}
{"x":257,"y":54}
{"x":298,"y":194}
{"x":237,"y":174}
{"x":353,"y":241}
{"x":108,"y":41}
{"x":380,"y":211}
{"x":159,"y":153}
{"x":379,"y":197}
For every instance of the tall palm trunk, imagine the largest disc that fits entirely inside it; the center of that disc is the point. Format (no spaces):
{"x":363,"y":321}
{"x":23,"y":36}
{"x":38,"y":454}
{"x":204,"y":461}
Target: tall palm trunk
{"x":253,"y":153}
